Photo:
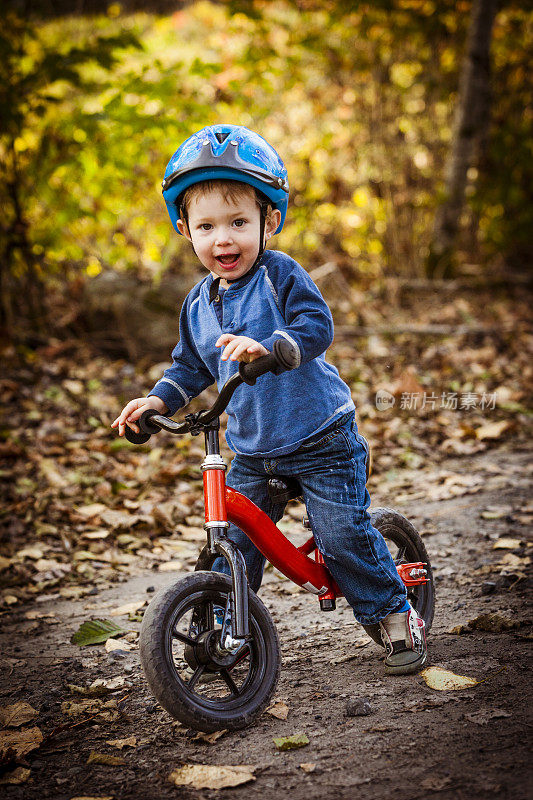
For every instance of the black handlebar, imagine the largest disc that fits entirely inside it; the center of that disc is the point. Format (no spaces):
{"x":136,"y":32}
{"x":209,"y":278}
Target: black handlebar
{"x":284,"y":356}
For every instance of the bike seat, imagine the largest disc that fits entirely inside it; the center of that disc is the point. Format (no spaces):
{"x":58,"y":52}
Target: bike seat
{"x":281,"y":490}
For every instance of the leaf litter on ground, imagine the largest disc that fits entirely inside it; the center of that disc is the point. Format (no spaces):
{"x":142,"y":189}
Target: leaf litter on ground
{"x":96,"y":631}
{"x":445,"y":680}
{"x":206,"y":776}
{"x":279,"y":709}
{"x":17,"y":714}
{"x":293,"y":742}
{"x":99,"y":687}
{"x":130,"y":741}
{"x":16,"y":744}
{"x":17,"y":776}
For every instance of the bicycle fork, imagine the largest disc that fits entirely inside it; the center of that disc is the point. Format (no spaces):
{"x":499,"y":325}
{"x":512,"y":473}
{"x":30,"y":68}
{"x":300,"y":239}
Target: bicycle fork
{"x":237,"y":633}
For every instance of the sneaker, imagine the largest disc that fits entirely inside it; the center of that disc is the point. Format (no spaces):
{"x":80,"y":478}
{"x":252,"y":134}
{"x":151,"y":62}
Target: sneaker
{"x":404,"y":638}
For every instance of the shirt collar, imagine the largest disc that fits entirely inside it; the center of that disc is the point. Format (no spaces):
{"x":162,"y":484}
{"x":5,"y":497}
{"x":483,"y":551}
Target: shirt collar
{"x":239,"y":283}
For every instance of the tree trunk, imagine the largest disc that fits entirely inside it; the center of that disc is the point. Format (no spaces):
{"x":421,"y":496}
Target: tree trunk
{"x":471,"y":120}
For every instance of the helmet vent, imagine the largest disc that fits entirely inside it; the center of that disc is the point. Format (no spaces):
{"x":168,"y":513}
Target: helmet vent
{"x":222,"y":136}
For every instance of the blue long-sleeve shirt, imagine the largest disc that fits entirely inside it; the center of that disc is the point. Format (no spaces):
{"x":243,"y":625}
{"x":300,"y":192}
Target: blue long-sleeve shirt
{"x":276,"y":299}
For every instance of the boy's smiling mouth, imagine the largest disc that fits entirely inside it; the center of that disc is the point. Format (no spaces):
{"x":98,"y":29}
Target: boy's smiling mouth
{"x":228,"y":260}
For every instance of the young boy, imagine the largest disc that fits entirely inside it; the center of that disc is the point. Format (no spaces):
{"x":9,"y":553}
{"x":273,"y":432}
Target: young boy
{"x":226,"y":190}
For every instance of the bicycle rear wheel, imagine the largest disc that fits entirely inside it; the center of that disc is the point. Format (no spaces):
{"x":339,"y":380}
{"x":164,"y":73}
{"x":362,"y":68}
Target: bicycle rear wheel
{"x":193,"y":678}
{"x":406,"y":546}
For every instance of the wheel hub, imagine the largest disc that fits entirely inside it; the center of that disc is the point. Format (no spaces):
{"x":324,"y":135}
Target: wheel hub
{"x":207,"y":651}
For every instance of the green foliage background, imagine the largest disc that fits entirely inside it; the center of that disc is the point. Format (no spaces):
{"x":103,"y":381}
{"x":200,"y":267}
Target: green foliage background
{"x":358,"y":98}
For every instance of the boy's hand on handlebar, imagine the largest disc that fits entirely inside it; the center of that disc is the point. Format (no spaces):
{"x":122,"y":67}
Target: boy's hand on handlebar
{"x":240,"y":348}
{"x":133,"y":410}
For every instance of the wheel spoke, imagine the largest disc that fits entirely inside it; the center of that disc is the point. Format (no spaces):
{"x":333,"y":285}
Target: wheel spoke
{"x":229,"y":681}
{"x":400,"y":555}
{"x":198,"y":672}
{"x":183,"y":637}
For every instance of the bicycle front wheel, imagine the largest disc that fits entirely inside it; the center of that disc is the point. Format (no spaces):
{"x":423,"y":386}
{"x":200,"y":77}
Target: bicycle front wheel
{"x":185,"y":666}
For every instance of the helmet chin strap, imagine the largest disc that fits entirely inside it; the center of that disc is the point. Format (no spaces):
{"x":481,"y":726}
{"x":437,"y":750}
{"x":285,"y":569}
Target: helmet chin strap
{"x":263,"y":211}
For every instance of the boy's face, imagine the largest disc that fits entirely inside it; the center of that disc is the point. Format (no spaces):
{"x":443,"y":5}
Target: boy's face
{"x":225,"y":232}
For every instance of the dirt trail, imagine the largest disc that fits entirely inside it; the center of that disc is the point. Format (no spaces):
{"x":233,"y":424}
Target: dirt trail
{"x":415,"y":743}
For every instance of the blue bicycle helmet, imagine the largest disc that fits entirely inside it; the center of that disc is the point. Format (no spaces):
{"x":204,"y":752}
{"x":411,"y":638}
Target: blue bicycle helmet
{"x":229,"y":152}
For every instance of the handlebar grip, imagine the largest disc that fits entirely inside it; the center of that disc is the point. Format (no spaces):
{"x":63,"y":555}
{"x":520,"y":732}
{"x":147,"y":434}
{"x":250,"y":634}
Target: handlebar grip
{"x":284,"y":355}
{"x":249,"y":372}
{"x":136,"y":438}
{"x":144,"y":422}
{"x":146,"y":429}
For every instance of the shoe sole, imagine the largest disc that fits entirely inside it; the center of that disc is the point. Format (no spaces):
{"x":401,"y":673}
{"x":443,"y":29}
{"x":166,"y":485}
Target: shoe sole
{"x":406,"y":669}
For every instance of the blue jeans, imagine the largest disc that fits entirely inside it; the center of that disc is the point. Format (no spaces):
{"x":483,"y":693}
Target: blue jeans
{"x":331,"y":469}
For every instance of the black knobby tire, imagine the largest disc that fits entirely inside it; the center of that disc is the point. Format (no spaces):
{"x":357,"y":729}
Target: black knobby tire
{"x":406,"y":546}
{"x":229,"y":697}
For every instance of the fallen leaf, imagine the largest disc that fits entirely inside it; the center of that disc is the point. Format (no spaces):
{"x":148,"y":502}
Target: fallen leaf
{"x":19,"y":775}
{"x":458,"y":630}
{"x":101,"y":533}
{"x":117,"y":644}
{"x":31,"y":552}
{"x":105,"y":710}
{"x":308,"y":766}
{"x":193,"y":534}
{"x":512,"y":560}
{"x":99,"y":687}
{"x":209,"y":738}
{"x":111,"y":556}
{"x":121,"y":519}
{"x":205,"y":776}
{"x":19,"y":742}
{"x":493,"y":512}
{"x":279,"y":709}
{"x":443,"y":680}
{"x":95,"y":631}
{"x":17,"y":714}
{"x":10,"y":599}
{"x":90,"y":511}
{"x":170,"y":566}
{"x":106,"y":759}
{"x":74,"y":592}
{"x":50,"y":473}
{"x":131,"y":741}
{"x":5,"y":563}
{"x":492,"y":623}
{"x":493,"y":430}
{"x":128,"y":608}
{"x":506,"y":544}
{"x":291,"y":742}
{"x":39,"y":615}
{"x":483,"y":716}
{"x":342,"y":659}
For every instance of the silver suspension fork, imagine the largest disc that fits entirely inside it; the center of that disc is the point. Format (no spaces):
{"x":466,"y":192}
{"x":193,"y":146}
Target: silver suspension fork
{"x":219,"y":543}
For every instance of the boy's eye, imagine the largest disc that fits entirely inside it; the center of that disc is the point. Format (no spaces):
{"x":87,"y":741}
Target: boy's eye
{"x":239,"y":223}
{"x":205,"y":226}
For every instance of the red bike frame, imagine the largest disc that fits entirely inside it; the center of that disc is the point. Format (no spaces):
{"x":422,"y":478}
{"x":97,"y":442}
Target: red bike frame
{"x":224,"y":504}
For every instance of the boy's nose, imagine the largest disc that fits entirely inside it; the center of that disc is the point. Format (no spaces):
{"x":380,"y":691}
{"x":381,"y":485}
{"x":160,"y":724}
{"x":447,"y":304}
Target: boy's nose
{"x":223,"y":236}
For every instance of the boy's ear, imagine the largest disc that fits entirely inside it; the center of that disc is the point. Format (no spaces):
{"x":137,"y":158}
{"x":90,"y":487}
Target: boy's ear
{"x":184,"y":229}
{"x":272,"y":222}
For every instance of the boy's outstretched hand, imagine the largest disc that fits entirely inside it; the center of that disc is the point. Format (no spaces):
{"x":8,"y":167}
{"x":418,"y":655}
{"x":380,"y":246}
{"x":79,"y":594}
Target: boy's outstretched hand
{"x":240,"y":348}
{"x":133,"y":410}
